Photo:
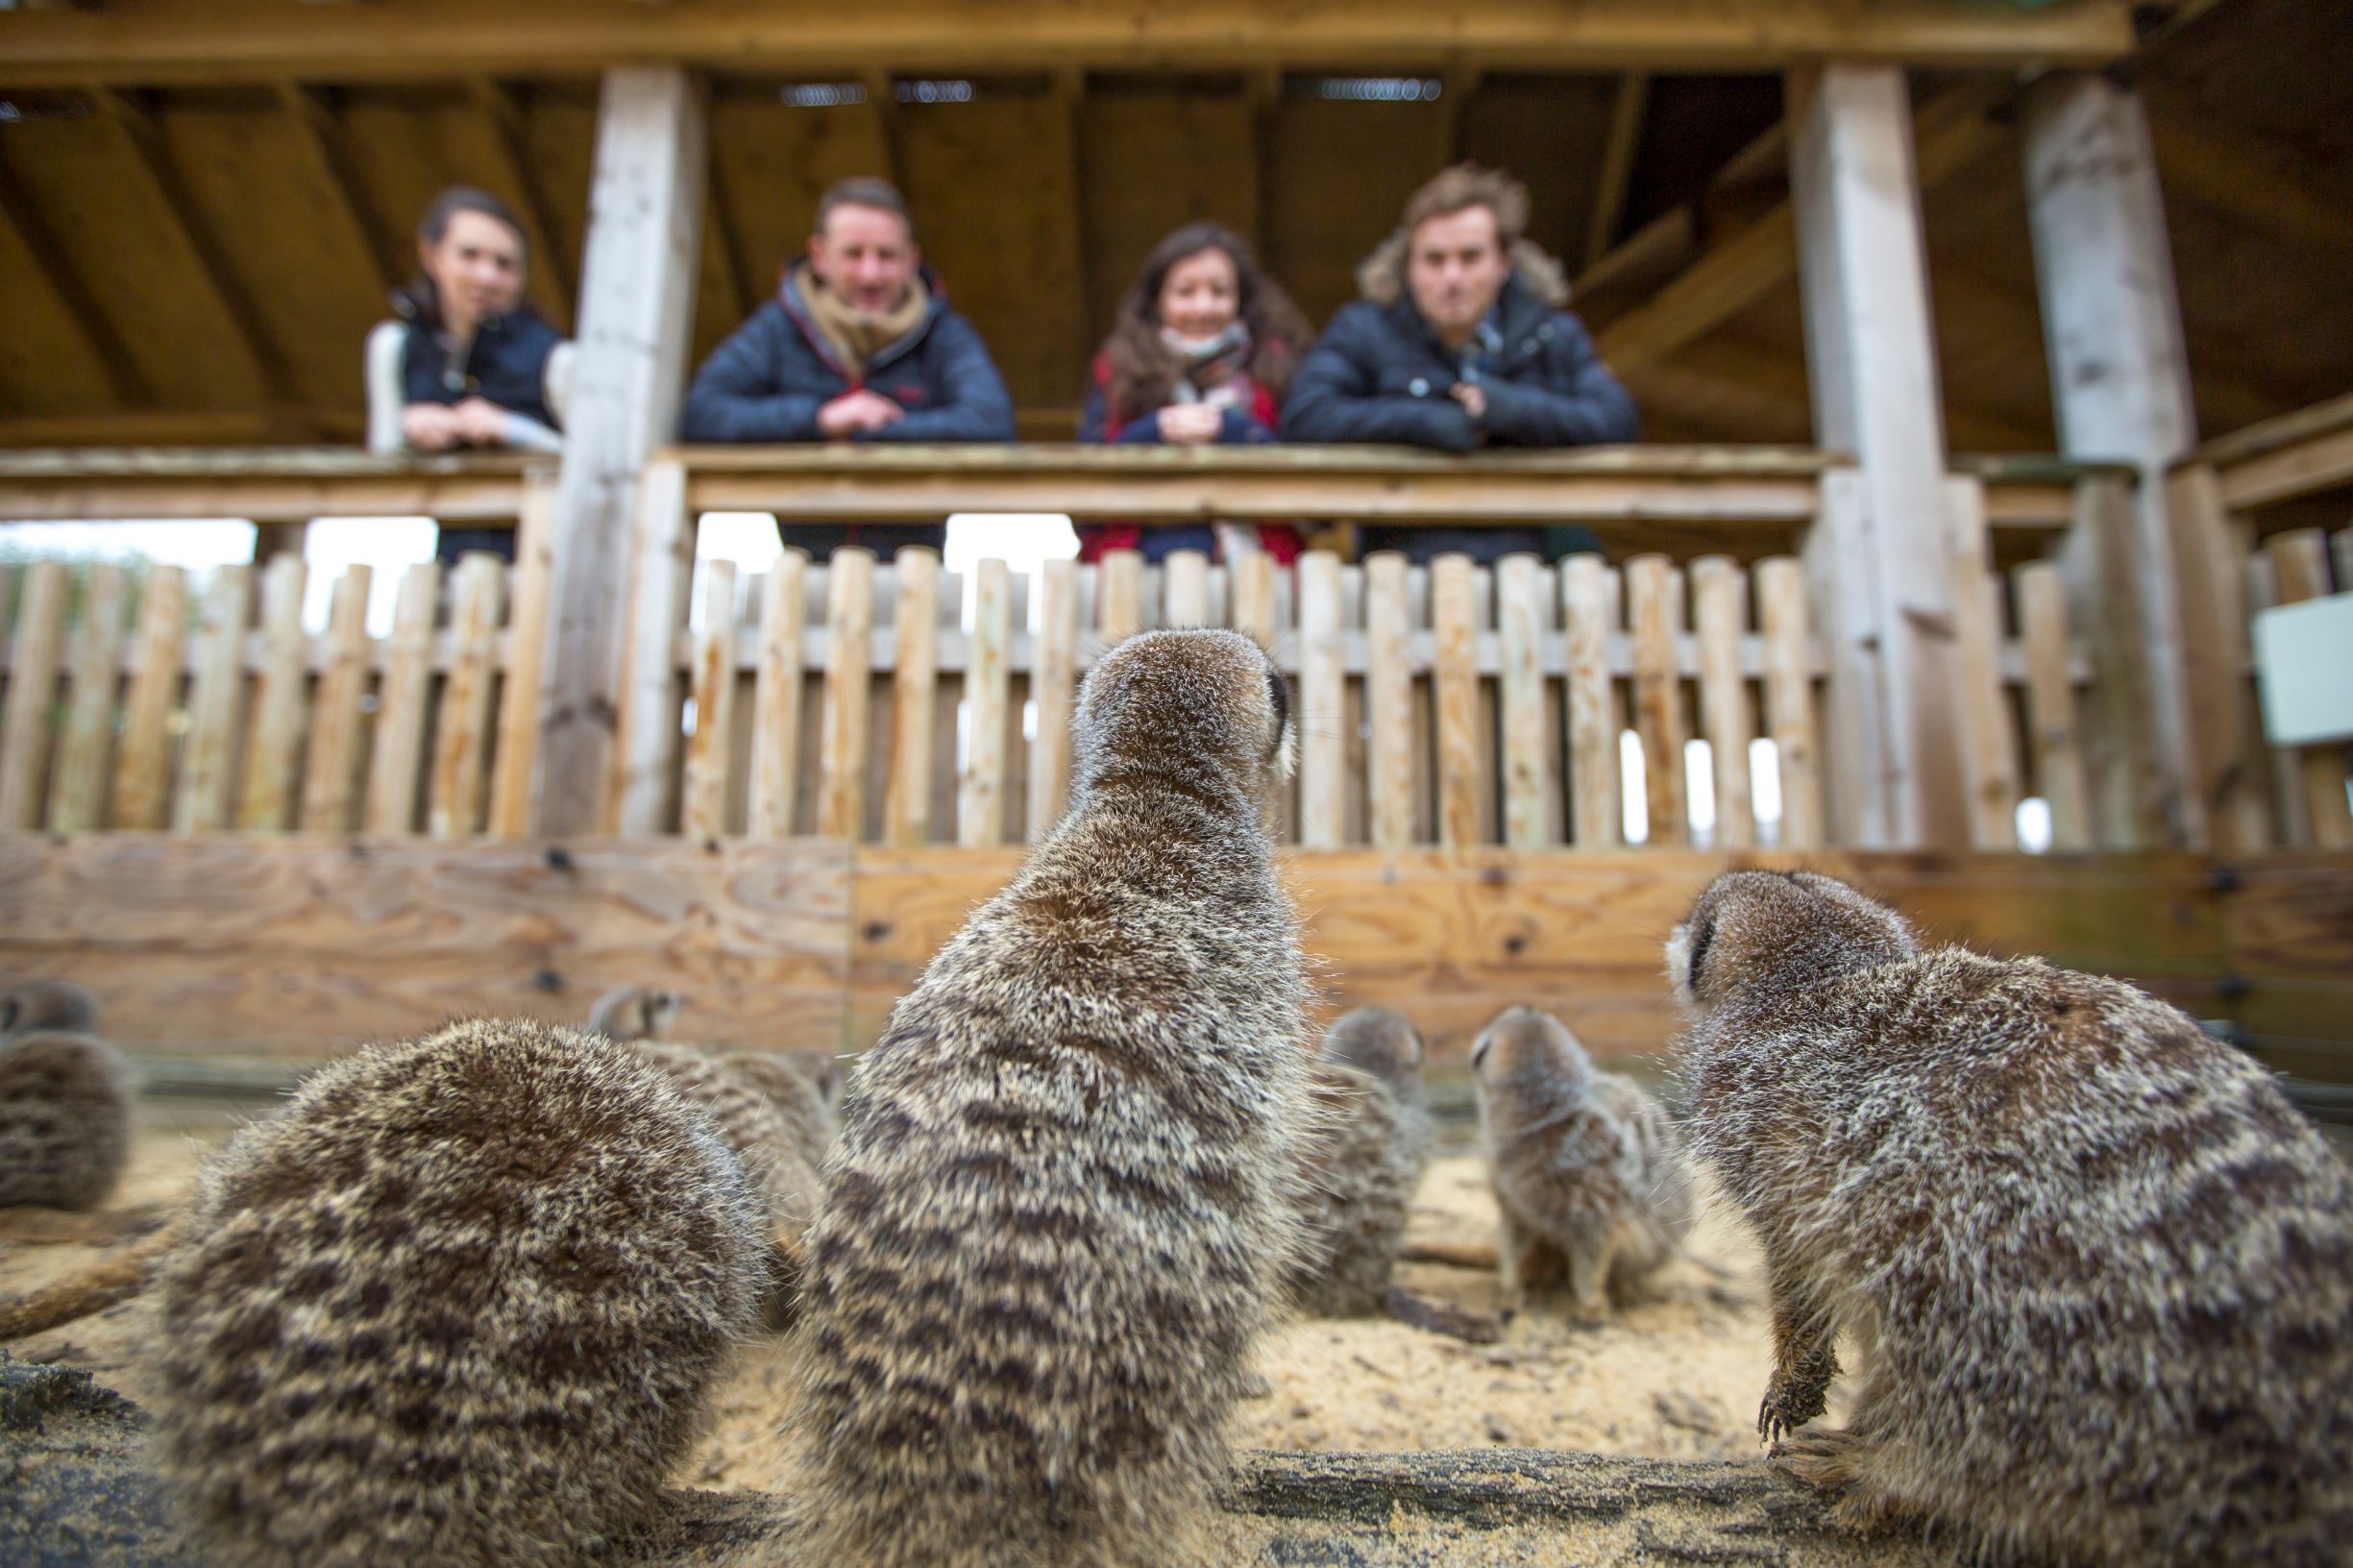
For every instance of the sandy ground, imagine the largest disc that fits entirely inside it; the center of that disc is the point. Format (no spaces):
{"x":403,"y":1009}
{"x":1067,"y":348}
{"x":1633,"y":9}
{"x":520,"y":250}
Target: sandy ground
{"x":1679,"y":1378}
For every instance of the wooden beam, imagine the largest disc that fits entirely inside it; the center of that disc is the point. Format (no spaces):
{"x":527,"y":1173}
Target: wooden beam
{"x":1625,"y":140}
{"x":890,"y":124}
{"x":321,"y":140}
{"x":2120,"y":368}
{"x":123,"y":376}
{"x":721,"y":232}
{"x":510,"y":144}
{"x":1749,"y":262}
{"x":1456,"y":89}
{"x":2256,"y":186}
{"x":143,"y":139}
{"x":192,"y":40}
{"x":1071,"y":94}
{"x":637,"y":291}
{"x":1872,"y":353}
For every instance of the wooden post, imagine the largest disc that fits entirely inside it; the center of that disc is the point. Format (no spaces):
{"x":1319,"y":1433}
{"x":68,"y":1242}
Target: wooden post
{"x":1323,"y":749}
{"x":77,"y":798}
{"x":1587,"y":607}
{"x":849,"y":622}
{"x":1254,"y":599}
{"x":1871,"y":357}
{"x":1530,"y":783}
{"x":1988,"y":753}
{"x":461,"y":730}
{"x":775,"y":698}
{"x":980,"y":804}
{"x":1454,"y":621}
{"x":2057,"y":742}
{"x":143,"y":768}
{"x":1119,"y":595}
{"x":1184,"y":589}
{"x":1790,"y":716}
{"x":637,"y":285}
{"x":215,"y":701}
{"x":32,"y":695}
{"x":1054,"y":684}
{"x":2120,"y":376}
{"x":915,"y":688}
{"x":2299,"y":564}
{"x":702,"y":800}
{"x":399,"y":752}
{"x":652,"y":690}
{"x":274,"y":751}
{"x":1658,"y":707}
{"x":332,"y":773}
{"x":522,"y":691}
{"x":2103,"y":575}
{"x":1719,"y":616}
{"x":2210,"y":549}
{"x":1388,"y":698}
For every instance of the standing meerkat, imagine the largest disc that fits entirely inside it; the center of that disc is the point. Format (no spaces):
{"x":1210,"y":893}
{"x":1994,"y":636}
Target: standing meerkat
{"x":2097,"y":1270}
{"x":46,"y":1004}
{"x":64,"y":1120}
{"x":1061,"y":1204}
{"x":1590,"y":1176}
{"x":459,"y":1302}
{"x":1363,"y":1162}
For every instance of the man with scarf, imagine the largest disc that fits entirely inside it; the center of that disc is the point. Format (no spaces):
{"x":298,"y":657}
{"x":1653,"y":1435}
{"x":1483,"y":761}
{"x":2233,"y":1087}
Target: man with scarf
{"x":858,"y":345}
{"x":1461,"y":342}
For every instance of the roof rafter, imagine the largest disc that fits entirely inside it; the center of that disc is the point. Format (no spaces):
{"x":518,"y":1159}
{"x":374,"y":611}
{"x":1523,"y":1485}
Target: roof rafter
{"x":510,"y":141}
{"x":124,"y":378}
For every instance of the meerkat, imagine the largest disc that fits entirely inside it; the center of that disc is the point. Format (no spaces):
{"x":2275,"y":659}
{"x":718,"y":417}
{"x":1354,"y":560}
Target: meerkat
{"x":1363,"y":1162}
{"x":2097,"y":1271}
{"x":1064,"y":1197}
{"x":64,"y":1120}
{"x":1591,"y":1180}
{"x":636,"y":1013}
{"x":459,"y":1302}
{"x":46,"y":1004}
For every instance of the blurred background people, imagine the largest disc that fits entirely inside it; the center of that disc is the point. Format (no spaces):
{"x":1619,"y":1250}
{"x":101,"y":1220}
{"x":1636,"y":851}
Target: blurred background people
{"x":1203,"y":352}
{"x":1459,"y":342}
{"x":467,"y":364}
{"x":860,"y":343}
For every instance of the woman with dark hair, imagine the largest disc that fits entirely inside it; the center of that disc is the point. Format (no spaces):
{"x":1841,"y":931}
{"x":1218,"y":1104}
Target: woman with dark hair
{"x":468,"y":364}
{"x":1203,"y":352}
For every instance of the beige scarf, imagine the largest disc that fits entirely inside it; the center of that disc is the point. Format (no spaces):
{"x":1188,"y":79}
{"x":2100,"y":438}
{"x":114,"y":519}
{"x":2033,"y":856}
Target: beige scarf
{"x":855,"y":335}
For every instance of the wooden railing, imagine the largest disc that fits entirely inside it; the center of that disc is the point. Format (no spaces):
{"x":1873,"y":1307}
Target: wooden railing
{"x":1451,"y":706}
{"x":2236,"y":561}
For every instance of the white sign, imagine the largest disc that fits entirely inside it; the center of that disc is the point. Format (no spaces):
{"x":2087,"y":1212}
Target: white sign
{"x":2304,"y":666}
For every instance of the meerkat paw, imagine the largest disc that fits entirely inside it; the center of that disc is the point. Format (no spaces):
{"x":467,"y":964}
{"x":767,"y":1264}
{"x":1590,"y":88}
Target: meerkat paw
{"x":1786,"y":1407}
{"x":1824,"y":1457}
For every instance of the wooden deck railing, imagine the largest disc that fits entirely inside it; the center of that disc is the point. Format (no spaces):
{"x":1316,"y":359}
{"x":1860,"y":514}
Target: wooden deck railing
{"x":2234,"y":565}
{"x":856,"y":697}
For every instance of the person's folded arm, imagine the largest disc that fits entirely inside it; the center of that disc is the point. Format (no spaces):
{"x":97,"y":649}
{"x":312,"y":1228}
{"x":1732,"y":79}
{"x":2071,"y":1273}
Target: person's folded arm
{"x":974,"y":405}
{"x":1333,"y":398}
{"x":735,"y":398}
{"x":1581,"y":404}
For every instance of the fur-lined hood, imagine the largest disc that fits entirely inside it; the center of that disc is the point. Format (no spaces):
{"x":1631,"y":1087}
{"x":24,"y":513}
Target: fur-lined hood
{"x":1382,"y":278}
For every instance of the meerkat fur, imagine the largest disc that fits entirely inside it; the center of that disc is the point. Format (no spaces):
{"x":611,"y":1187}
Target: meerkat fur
{"x":64,"y":1120}
{"x":59,"y":1005}
{"x":1365,"y":1160}
{"x":2096,"y":1271}
{"x":1592,"y":1183}
{"x":1063,"y":1198}
{"x":459,"y":1302}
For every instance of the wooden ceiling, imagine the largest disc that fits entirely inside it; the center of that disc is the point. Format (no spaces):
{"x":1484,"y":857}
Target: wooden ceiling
{"x":198,"y":262}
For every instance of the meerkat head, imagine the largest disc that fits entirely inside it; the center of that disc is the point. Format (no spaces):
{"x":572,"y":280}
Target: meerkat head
{"x":1376,"y":1039}
{"x":46,"y":1004}
{"x":1175,"y":704}
{"x":1779,"y":930}
{"x":1524,"y":1045}
{"x":633,"y":1013}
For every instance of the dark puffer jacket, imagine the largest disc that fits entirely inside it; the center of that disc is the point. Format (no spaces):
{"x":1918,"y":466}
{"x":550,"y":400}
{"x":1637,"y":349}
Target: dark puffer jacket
{"x":1380,"y":374}
{"x":768,"y":381}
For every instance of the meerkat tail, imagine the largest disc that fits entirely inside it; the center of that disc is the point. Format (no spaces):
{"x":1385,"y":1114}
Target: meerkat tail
{"x":94,"y":1289}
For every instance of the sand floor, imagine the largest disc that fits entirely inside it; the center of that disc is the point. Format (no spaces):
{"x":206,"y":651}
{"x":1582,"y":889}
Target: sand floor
{"x":1679,"y":1378}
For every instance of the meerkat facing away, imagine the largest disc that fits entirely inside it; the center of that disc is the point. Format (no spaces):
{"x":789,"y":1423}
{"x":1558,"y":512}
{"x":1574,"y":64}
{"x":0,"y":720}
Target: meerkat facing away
{"x":46,"y":1004}
{"x":64,"y":1120}
{"x":2098,"y":1271}
{"x":1063,"y":1200}
{"x":1591,"y":1180}
{"x":1363,"y":1162}
{"x":459,"y":1302}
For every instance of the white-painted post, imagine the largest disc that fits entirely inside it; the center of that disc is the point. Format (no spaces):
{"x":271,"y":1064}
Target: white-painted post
{"x":2120,"y":372}
{"x":637,"y":286}
{"x":1872,"y":357}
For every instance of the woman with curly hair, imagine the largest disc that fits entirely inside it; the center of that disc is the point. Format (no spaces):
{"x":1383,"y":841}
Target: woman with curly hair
{"x":1203,"y":352}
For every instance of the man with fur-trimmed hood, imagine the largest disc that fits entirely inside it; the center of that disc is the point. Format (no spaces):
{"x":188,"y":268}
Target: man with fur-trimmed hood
{"x":1459,"y":342}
